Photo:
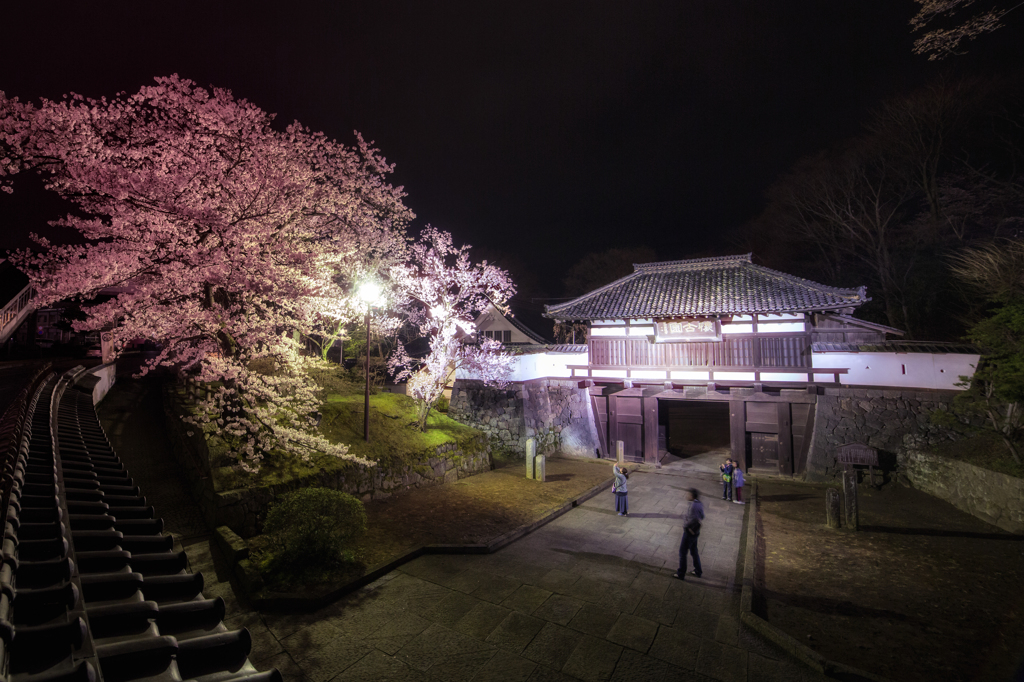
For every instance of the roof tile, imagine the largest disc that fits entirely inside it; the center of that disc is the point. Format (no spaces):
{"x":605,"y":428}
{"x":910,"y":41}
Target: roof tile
{"x":728,"y":285}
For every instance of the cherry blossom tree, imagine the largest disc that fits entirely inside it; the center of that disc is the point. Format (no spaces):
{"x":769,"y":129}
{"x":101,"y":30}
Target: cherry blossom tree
{"x":224,"y":235}
{"x":442,"y":290}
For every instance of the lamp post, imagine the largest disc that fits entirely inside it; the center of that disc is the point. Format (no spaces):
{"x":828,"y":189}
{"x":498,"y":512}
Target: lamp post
{"x":369,"y":292}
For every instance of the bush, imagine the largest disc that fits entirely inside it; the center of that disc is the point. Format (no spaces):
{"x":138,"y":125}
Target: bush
{"x":307,"y":532}
{"x":442,"y":404}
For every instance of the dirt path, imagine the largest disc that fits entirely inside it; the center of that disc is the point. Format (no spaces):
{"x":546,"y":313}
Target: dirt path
{"x":922,"y":592}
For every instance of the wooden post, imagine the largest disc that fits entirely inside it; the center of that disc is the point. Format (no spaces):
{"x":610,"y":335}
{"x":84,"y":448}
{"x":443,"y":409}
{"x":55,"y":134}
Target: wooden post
{"x":850,"y":498}
{"x":531,"y":456}
{"x":785,"y":439}
{"x":541,"y":473}
{"x":832,"y":508}
{"x":620,"y":452}
{"x":738,"y":432}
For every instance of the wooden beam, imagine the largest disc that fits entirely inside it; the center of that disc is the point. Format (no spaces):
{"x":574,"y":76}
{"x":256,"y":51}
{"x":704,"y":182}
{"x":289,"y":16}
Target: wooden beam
{"x":737,"y":432}
{"x":650,"y":412}
{"x":785,"y":439}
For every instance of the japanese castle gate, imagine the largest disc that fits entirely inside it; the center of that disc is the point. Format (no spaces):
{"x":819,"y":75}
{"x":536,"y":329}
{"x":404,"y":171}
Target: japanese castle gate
{"x":714,"y":329}
{"x":768,"y":345}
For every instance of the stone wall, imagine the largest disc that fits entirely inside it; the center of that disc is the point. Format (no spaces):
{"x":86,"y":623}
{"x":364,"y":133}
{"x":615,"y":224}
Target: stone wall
{"x":243,"y":510}
{"x":496,"y":412}
{"x":994,"y":498}
{"x":554,"y":411}
{"x":878,"y":417}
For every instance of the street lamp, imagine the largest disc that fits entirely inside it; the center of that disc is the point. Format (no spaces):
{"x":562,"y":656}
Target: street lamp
{"x":369,"y":292}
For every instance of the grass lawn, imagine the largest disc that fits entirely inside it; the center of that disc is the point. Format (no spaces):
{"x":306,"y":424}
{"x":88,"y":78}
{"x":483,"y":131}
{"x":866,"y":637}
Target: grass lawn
{"x":394,"y":440}
{"x":985,"y":450}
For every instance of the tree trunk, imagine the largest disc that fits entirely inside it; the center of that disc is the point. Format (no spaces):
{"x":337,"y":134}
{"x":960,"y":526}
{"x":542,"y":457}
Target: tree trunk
{"x":423,"y":412}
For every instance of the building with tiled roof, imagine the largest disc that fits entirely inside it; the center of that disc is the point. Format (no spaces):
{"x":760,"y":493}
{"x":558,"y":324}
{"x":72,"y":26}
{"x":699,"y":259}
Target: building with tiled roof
{"x":720,"y":341}
{"x":728,"y":285}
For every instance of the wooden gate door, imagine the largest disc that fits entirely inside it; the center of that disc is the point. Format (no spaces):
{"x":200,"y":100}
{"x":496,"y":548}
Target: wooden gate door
{"x":626,"y":423}
{"x":764,"y":448}
{"x":599,"y":406}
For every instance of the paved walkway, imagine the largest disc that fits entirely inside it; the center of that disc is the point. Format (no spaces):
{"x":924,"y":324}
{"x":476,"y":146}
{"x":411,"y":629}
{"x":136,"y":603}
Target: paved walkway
{"x":589,"y":596}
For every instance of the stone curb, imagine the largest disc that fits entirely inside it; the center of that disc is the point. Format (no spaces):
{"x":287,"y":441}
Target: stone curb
{"x":308,"y":603}
{"x":790,"y":645}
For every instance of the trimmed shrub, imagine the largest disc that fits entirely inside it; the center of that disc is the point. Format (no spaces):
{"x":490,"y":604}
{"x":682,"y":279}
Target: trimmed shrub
{"x":310,"y":527}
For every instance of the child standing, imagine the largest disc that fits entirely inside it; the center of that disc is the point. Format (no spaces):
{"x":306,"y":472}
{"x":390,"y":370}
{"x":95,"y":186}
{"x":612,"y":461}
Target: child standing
{"x":726,"y":468}
{"x":737,"y":483}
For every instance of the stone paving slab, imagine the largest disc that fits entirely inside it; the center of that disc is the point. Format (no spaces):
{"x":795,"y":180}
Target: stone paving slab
{"x":571,"y":601}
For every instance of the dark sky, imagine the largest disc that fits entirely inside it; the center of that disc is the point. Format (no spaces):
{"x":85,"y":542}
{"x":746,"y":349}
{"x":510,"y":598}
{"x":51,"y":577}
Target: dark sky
{"x":540,"y":130}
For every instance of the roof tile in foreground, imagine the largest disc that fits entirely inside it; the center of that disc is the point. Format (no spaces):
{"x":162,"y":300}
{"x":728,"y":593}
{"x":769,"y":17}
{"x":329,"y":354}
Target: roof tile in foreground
{"x":727,"y":285}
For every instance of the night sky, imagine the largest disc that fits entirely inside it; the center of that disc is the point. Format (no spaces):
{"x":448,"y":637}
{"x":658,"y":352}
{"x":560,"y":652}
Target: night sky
{"x":535,"y":131}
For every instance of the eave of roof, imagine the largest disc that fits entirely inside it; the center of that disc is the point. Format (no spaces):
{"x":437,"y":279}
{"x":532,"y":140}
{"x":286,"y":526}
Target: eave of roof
{"x":727,"y":285}
{"x":869,"y":325}
{"x":895,"y":347}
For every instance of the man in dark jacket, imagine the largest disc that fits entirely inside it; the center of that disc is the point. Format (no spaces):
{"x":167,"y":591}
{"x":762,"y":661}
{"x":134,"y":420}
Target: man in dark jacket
{"x":691,"y":531}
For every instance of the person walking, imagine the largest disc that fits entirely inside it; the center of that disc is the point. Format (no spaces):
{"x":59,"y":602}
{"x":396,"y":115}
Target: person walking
{"x":737,"y":484}
{"x":691,"y":531}
{"x":726,"y":468}
{"x":620,"y":489}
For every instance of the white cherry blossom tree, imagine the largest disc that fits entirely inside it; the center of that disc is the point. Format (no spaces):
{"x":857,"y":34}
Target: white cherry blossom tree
{"x":442,"y":290}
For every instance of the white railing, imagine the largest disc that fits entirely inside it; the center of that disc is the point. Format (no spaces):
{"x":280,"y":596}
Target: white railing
{"x":15,"y":312}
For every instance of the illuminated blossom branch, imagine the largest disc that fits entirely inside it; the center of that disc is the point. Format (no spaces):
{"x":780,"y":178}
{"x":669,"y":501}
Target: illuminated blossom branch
{"x":939,"y":43}
{"x":225,"y":235}
{"x":443,"y":290}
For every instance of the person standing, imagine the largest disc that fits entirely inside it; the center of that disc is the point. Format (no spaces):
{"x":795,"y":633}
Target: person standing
{"x":726,"y":468}
{"x":620,"y":489}
{"x":737,"y":483}
{"x":691,"y":531}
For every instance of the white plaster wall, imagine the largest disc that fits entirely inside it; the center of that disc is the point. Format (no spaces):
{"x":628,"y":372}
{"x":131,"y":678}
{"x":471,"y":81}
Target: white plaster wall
{"x":538,"y":366}
{"x":905,"y":370}
{"x":107,"y":374}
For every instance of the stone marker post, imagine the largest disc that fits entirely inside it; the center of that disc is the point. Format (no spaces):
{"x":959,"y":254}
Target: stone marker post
{"x":540,"y":471}
{"x":850,"y":498}
{"x":531,"y":455}
{"x":620,"y":451}
{"x":832,"y":508}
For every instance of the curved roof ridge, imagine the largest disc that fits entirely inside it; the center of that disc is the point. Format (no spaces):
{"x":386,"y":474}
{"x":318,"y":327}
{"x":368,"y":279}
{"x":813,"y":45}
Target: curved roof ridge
{"x":726,"y":285}
{"x":859,"y":291}
{"x":591,"y":294}
{"x":712,"y":260}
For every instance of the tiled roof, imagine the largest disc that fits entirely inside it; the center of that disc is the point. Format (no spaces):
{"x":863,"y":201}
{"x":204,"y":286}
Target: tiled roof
{"x":93,"y":588}
{"x":895,"y":347}
{"x":728,"y":285}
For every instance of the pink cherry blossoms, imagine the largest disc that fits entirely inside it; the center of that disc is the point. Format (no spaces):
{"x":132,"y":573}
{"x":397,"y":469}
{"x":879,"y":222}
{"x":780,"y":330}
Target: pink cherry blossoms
{"x":226,"y":240}
{"x":221,"y":237}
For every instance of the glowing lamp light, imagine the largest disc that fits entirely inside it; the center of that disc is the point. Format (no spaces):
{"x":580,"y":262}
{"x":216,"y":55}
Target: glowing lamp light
{"x":369,"y":292}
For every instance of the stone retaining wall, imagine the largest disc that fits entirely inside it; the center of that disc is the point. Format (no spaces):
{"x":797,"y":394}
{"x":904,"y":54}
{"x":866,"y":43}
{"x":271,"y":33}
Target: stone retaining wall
{"x":880,"y":418}
{"x":554,"y":411}
{"x":243,"y":510}
{"x":992,"y":497}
